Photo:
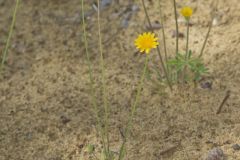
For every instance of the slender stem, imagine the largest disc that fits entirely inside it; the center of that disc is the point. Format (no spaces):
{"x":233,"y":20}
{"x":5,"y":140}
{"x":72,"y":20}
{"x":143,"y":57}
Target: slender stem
{"x":105,"y":103}
{"x":206,"y":38}
{"x":158,"y":49}
{"x":9,"y":35}
{"x":176,"y":21}
{"x":100,"y":129}
{"x":187,"y":43}
{"x":163,"y":34}
{"x":177,"y":31}
{"x":133,"y":108}
{"x":186,"y":54}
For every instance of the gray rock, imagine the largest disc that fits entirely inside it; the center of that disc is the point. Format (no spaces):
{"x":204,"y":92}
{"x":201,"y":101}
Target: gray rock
{"x":215,"y":154}
{"x":105,"y":3}
{"x":236,"y":147}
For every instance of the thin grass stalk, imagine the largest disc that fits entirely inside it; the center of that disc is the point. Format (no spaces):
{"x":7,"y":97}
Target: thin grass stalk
{"x":186,"y":54}
{"x":176,"y":22}
{"x":187,"y":43}
{"x":133,"y":109}
{"x":102,"y":65}
{"x":158,"y":49}
{"x":4,"y":55}
{"x":90,"y":71}
{"x":163,"y":34}
{"x":207,"y":36}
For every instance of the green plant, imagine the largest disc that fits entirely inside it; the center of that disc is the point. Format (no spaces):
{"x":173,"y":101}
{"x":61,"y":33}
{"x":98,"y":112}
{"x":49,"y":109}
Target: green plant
{"x":5,"y":51}
{"x":105,"y":139}
{"x":103,"y":124}
{"x":103,"y":131}
{"x":165,"y":70}
{"x":184,"y":67}
{"x":191,"y":68}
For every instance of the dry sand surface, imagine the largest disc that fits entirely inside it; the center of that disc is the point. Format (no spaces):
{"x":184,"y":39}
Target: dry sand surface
{"x":45,"y":108}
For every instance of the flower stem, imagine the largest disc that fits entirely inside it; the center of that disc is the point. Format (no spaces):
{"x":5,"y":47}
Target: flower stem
{"x":105,"y":103}
{"x":99,"y":128}
{"x":163,"y":34}
{"x":133,"y":109}
{"x":176,"y":22}
{"x":187,"y":43}
{"x":186,"y":54}
{"x":9,"y":35}
{"x":158,"y":49}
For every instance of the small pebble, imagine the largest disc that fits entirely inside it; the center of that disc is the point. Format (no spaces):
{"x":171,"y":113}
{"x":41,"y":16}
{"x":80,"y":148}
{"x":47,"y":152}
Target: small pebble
{"x":174,"y":34}
{"x":236,"y":147}
{"x":206,"y":85}
{"x":135,"y":8}
{"x":64,"y":119}
{"x":105,"y":3}
{"x":215,"y":154}
{"x":155,"y":26}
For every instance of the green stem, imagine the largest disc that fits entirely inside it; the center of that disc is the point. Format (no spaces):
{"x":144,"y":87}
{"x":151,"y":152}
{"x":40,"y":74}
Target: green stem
{"x":186,"y":54}
{"x":9,"y":35}
{"x":187,"y":43}
{"x":158,"y":49}
{"x":105,"y":103}
{"x":176,"y":22}
{"x":133,"y":109}
{"x":91,"y":78}
{"x":163,"y":34}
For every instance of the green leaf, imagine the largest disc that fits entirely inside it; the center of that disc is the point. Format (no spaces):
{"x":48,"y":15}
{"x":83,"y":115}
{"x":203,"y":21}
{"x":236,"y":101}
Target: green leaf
{"x":173,"y":62}
{"x":102,"y":156}
{"x":90,"y":148}
{"x":189,"y":54}
{"x":122,"y":154}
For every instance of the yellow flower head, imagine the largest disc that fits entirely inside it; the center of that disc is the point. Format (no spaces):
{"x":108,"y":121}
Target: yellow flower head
{"x":187,"y":12}
{"x":146,"y":41}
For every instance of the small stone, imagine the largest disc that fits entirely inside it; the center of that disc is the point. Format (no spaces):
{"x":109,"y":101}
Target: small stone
{"x":155,"y":26}
{"x":206,"y":85}
{"x":174,"y":34}
{"x":29,"y":136}
{"x":236,"y":147}
{"x":228,"y":142}
{"x":64,"y":119}
{"x":135,"y":8}
{"x":215,"y":154}
{"x":105,"y":3}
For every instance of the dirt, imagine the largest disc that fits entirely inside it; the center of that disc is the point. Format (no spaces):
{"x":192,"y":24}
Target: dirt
{"x":45,"y":107}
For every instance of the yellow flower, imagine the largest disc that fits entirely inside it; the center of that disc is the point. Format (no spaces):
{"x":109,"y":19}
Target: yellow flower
{"x":187,"y":12}
{"x":146,"y":41}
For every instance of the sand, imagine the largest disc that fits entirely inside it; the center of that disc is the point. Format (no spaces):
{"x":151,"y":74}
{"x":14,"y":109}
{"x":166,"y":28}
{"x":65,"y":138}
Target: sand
{"x":45,"y":106}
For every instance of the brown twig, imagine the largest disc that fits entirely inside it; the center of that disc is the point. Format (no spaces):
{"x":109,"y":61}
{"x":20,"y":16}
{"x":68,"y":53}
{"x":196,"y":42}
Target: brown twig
{"x":223,"y":102}
{"x":167,"y":150}
{"x":122,"y":133}
{"x":207,"y":36}
{"x":209,"y":29}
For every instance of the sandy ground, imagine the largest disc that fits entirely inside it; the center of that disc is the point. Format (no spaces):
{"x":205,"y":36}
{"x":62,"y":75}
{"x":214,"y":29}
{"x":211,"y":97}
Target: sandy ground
{"x":45,"y":109}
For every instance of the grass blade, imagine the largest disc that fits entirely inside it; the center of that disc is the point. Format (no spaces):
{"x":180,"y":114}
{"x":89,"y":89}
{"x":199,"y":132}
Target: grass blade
{"x":4,"y":56}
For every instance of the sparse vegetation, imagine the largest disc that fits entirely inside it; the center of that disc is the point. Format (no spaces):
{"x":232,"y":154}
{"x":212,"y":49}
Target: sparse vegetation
{"x":119,"y":80}
{"x":5,"y":51}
